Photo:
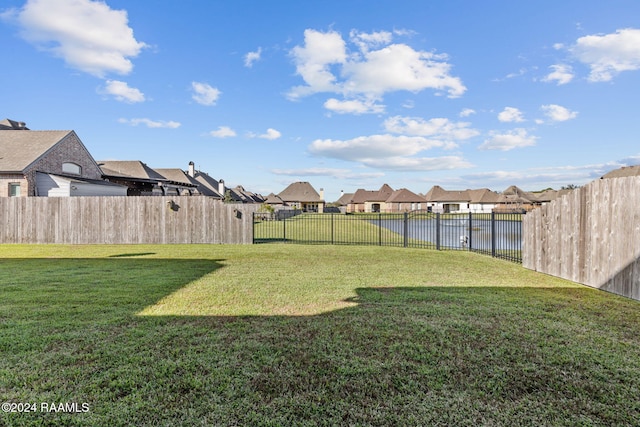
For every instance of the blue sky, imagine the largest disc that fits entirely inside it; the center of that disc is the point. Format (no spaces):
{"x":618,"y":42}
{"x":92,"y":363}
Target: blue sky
{"x":343,"y":94}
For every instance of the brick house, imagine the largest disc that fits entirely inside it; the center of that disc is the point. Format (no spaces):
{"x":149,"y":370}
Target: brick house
{"x":35,"y":163}
{"x":370,"y":201}
{"x":403,"y":200}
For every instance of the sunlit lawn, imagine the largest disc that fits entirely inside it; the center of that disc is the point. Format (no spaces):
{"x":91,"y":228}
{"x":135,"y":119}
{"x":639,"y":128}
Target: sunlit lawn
{"x":308,"y":335}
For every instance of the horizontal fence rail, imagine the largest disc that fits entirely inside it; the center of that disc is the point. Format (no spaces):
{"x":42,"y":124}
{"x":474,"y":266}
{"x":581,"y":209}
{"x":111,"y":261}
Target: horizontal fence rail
{"x":495,"y":234}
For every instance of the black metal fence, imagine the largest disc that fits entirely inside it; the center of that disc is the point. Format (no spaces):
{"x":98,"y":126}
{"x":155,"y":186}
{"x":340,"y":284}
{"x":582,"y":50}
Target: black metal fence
{"x":495,"y":234}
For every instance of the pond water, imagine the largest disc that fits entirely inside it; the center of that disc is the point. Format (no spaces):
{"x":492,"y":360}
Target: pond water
{"x":456,"y":233}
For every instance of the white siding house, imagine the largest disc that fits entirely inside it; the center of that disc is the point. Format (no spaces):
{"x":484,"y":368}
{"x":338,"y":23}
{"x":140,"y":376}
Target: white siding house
{"x":51,"y":185}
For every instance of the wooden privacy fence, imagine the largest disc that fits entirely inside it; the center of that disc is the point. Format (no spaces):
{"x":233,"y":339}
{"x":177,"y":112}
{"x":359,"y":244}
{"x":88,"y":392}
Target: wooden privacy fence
{"x":124,"y":220}
{"x":590,"y":236}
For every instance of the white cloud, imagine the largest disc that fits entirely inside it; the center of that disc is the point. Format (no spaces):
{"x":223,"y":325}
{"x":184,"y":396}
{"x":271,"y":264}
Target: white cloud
{"x":467,"y":112}
{"x":223,"y":132}
{"x":554,"y":177}
{"x":520,"y":72}
{"x":314,"y":59}
{"x":516,"y":138}
{"x":367,"y":41}
{"x":373,"y":146}
{"x":331,"y":172}
{"x":252,"y":57}
{"x":87,"y":35}
{"x":400,"y":67}
{"x":630,"y":161}
{"x":437,"y":128}
{"x":558,"y":113}
{"x":204,"y":94}
{"x":561,"y":74}
{"x":151,"y":123}
{"x":373,"y":69}
{"x":511,"y":114}
{"x":122,"y":92}
{"x":409,"y":104}
{"x":353,"y":106}
{"x":609,"y":54}
{"x":401,"y":152}
{"x":419,"y":163}
{"x":270,"y":134}
{"x":530,"y":179}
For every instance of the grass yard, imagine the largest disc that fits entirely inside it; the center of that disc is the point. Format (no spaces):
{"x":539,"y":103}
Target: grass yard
{"x":279,"y":335}
{"x":360,"y":229}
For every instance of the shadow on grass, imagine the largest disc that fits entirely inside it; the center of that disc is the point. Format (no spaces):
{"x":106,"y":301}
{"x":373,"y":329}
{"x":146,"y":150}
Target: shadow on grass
{"x":131,"y":255}
{"x":62,"y":287}
{"x":401,"y":356}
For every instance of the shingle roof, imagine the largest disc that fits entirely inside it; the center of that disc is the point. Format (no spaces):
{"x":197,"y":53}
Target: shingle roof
{"x":207,"y":185}
{"x":248,"y":196}
{"x":623,"y":172}
{"x":361,"y":195}
{"x":404,"y":196}
{"x":129,"y":169}
{"x":381,"y":195}
{"x":345,"y":199}
{"x":8,"y":124}
{"x":439,"y":194}
{"x":483,"y":195}
{"x":551,"y":195}
{"x":20,"y":148}
{"x":176,"y":175}
{"x":236,"y":195}
{"x":300,"y":192}
{"x":514,"y":194}
{"x":272,"y":199}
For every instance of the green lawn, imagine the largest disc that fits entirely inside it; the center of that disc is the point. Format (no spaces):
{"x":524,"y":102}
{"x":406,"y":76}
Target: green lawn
{"x":353,"y":229}
{"x":359,"y":229}
{"x":308,"y":335}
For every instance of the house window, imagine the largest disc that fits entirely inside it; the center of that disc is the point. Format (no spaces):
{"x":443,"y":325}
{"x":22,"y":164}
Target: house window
{"x":71,"y":168}
{"x":14,"y":189}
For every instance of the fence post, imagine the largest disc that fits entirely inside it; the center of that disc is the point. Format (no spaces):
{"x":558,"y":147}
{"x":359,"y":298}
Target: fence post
{"x":284,"y":229}
{"x":253,"y":229}
{"x":493,"y":234}
{"x":438,"y":231}
{"x":379,"y":228}
{"x":470,"y":231}
{"x":332,"y":238}
{"x":406,"y":229}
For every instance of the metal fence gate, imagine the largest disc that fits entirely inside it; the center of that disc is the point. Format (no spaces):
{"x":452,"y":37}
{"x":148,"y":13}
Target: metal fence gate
{"x":495,"y":234}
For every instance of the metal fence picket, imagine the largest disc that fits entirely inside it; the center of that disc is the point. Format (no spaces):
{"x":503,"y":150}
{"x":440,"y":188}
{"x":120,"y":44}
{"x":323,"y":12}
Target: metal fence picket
{"x":495,"y":234}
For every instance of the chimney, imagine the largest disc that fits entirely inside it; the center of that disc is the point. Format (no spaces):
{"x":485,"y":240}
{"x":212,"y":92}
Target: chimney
{"x":221,"y":187}
{"x":322,"y":194}
{"x":192,"y":169}
{"x":341,"y":193}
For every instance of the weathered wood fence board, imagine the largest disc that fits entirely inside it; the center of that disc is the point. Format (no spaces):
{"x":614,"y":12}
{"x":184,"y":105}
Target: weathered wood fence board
{"x":590,"y":236}
{"x":87,"y":220}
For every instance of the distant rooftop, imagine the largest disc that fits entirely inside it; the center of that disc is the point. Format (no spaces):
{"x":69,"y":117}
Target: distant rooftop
{"x":8,"y":124}
{"x":623,"y":172}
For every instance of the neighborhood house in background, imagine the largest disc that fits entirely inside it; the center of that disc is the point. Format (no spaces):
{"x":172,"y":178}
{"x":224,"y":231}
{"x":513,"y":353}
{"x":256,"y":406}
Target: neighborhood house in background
{"x":55,"y":163}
